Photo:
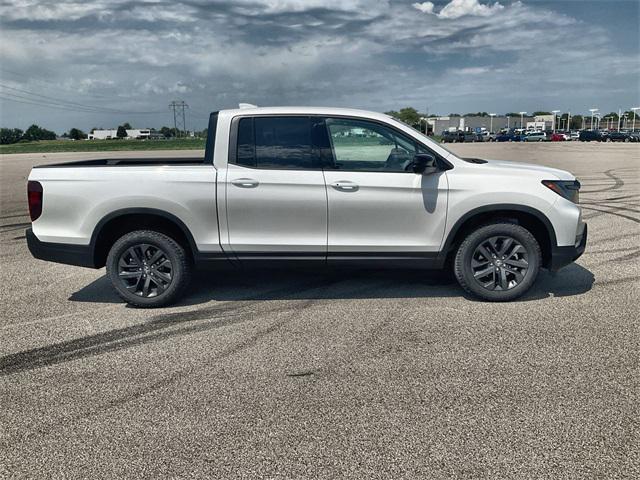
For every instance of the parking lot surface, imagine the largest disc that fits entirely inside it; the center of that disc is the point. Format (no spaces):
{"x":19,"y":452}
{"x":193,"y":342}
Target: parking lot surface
{"x":329,"y":375}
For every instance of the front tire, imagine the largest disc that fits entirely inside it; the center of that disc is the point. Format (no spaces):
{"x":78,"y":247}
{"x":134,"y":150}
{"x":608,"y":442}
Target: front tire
{"x":148,"y":269}
{"x":498,"y":262}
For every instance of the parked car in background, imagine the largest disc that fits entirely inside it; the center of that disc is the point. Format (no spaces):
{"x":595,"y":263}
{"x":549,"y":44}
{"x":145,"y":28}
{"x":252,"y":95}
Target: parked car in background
{"x":452,"y":137}
{"x":635,"y":136}
{"x":574,"y":135}
{"x":508,"y":137}
{"x":482,"y":136}
{"x":591,"y":136}
{"x":308,"y":186}
{"x":618,"y":137}
{"x":535,"y":137}
{"x":459,"y":137}
{"x":559,"y":137}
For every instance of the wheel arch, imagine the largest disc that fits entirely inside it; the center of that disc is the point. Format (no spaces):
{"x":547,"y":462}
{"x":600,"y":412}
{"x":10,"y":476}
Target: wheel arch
{"x":122,"y":221}
{"x":530,"y":218}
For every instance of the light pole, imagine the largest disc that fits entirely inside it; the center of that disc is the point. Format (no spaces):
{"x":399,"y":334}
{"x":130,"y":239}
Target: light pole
{"x":491,"y":122}
{"x":522,"y":114}
{"x":593,"y":111}
{"x":569,"y":121}
{"x":633,"y":109}
{"x":555,"y":114}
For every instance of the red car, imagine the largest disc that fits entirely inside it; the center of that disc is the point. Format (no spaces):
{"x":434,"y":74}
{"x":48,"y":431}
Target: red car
{"x":558,"y":137}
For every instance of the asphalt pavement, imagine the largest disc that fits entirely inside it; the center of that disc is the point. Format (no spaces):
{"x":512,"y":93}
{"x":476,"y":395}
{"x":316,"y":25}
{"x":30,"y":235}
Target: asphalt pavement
{"x":363,"y":374}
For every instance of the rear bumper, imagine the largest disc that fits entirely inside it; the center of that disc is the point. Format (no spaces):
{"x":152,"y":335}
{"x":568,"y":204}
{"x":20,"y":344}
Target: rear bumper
{"x":79,"y":255}
{"x":561,"y":256}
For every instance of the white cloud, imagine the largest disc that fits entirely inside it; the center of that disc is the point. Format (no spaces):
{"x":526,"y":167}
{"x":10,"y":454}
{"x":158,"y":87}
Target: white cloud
{"x":425,"y":7}
{"x":459,"y":8}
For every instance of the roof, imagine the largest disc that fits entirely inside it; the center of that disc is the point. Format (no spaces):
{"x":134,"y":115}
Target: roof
{"x":305,"y":111}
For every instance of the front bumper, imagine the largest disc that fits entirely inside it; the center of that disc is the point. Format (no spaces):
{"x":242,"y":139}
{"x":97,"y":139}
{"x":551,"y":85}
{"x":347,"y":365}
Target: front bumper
{"x":561,"y":256}
{"x":79,"y":255}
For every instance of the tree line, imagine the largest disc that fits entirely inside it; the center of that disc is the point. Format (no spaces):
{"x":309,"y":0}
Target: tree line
{"x":36,"y":133}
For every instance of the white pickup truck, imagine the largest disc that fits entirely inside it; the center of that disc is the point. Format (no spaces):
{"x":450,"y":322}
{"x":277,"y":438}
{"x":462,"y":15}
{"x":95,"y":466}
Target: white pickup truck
{"x":323,"y":186}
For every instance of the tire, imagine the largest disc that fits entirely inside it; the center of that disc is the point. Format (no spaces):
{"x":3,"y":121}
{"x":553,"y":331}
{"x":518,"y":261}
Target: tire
{"x":522,"y":259}
{"x":608,"y":140}
{"x":626,"y":140}
{"x":142,"y":281}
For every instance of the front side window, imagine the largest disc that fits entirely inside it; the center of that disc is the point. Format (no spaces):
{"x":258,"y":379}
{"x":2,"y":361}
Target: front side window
{"x":369,"y":146}
{"x":275,"y":143}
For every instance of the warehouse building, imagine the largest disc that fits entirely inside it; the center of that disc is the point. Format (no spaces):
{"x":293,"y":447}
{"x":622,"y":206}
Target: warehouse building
{"x":475,"y":123}
{"x":111,"y":133}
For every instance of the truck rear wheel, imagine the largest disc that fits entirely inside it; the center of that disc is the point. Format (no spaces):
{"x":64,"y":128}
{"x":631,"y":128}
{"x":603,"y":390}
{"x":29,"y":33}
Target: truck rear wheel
{"x":498,"y":262}
{"x":148,"y":269}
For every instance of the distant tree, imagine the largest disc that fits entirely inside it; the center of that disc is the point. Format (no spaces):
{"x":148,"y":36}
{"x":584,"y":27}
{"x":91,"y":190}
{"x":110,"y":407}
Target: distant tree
{"x":512,"y":114}
{"x":576,"y":122}
{"x":477,"y":114}
{"x":77,"y":134}
{"x":408,"y":115}
{"x":168,"y":132}
{"x":541,"y":113}
{"x":127,"y":125}
{"x":122,"y":132}
{"x":455,"y":115}
{"x":630,"y":114}
{"x":35,"y":133}
{"x":10,"y":135}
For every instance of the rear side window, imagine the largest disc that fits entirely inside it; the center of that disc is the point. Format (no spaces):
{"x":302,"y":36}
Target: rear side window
{"x":275,"y":143}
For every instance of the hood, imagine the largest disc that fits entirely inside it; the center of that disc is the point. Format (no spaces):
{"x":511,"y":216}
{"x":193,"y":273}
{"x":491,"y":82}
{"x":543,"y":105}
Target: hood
{"x":530,"y":168}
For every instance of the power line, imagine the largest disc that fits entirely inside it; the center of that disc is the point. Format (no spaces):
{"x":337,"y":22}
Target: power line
{"x":46,"y":105}
{"x":68,"y":104}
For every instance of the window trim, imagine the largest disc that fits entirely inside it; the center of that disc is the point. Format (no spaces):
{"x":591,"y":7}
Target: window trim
{"x":233,"y":142}
{"x":443,"y":164}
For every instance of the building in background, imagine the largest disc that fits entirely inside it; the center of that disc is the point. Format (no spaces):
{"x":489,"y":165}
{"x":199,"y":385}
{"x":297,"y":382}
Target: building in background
{"x":131,"y":133}
{"x":475,"y":123}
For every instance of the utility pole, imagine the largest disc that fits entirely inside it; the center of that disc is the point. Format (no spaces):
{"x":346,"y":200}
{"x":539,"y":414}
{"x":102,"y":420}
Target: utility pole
{"x":522,"y":114}
{"x":593,"y":111}
{"x":633,"y":109}
{"x":555,"y":114}
{"x":178,"y":107}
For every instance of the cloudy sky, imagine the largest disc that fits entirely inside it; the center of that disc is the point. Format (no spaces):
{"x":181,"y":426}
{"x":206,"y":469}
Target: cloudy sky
{"x":101,"y":63}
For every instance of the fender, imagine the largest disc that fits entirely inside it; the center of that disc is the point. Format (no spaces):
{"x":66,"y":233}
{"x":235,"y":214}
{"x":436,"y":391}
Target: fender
{"x":142,"y":211}
{"x":448,"y":244}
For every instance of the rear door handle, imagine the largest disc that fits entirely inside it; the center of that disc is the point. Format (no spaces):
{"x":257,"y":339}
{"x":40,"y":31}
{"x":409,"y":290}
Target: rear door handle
{"x":345,"y":186}
{"x":245,"y":182}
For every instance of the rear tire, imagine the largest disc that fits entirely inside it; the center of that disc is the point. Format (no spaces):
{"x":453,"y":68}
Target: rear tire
{"x":148,"y":269}
{"x":508,"y":267}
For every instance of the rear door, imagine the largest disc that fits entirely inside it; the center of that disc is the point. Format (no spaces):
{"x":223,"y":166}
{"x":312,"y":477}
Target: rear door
{"x":377,"y":206}
{"x":275,"y":191}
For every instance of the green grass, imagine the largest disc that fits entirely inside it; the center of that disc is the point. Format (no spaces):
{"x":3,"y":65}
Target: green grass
{"x":50,"y":146}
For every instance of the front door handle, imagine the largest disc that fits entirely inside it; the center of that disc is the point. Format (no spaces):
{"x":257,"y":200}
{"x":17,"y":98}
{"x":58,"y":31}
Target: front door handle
{"x":345,"y":186}
{"x":245,"y":182}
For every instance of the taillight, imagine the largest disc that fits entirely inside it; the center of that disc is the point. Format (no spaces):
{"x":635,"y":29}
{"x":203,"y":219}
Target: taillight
{"x":34,"y":196}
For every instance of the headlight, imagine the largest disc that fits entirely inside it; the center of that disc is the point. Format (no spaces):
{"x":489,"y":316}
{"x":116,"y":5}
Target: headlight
{"x":568,"y":189}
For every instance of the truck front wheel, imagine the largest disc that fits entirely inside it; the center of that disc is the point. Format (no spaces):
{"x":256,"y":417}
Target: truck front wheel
{"x":498,"y":262}
{"x":148,"y":269}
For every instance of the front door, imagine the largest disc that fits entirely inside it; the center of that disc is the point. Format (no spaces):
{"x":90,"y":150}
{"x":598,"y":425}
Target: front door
{"x":377,"y":206}
{"x":276,"y":203}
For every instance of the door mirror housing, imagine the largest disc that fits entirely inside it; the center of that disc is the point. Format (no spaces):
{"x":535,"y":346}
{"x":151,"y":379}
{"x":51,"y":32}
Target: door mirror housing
{"x":424,"y":164}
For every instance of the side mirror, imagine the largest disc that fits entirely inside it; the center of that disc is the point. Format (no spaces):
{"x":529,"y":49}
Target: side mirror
{"x":424,"y":164}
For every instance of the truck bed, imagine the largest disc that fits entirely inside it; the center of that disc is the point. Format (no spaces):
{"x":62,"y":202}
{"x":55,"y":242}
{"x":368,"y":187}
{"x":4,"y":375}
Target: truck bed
{"x":121,"y":162}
